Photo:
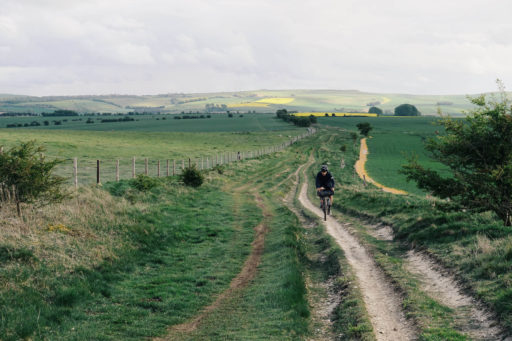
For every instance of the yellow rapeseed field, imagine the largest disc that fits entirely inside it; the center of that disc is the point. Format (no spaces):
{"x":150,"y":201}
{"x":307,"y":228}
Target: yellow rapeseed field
{"x":337,"y":114}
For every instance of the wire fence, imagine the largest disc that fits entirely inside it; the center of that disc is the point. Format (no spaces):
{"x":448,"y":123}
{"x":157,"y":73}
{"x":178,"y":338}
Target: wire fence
{"x":90,"y":171}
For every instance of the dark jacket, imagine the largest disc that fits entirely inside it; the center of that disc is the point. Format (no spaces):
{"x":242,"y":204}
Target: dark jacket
{"x":326,"y":181}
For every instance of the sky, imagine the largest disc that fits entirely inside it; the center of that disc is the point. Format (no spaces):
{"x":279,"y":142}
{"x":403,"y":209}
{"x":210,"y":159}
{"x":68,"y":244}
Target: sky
{"x":95,"y":47}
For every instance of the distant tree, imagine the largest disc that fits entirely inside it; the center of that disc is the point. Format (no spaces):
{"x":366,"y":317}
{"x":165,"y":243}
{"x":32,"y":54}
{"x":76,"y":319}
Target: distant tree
{"x":230,"y":115}
{"x":364,"y":128}
{"x":313,"y":119}
{"x":406,"y":110}
{"x":46,"y":123}
{"x":28,"y":177}
{"x":478,"y":153}
{"x":375,"y":110}
{"x":281,"y":112}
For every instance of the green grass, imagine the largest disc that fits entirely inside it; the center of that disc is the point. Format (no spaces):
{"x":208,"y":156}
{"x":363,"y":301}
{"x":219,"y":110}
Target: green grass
{"x":393,"y":140}
{"x":476,"y":246}
{"x":157,"y":123}
{"x":189,"y":244}
{"x":89,"y":146}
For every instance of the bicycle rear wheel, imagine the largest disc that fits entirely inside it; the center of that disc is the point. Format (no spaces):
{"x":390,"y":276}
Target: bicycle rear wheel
{"x":324,"y":207}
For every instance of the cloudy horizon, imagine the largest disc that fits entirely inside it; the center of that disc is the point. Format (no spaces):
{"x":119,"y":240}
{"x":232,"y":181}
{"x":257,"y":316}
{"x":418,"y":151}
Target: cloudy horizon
{"x":57,"y":47}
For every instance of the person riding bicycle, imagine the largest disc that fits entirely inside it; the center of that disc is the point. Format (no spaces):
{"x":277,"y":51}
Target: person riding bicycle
{"x":324,"y":184}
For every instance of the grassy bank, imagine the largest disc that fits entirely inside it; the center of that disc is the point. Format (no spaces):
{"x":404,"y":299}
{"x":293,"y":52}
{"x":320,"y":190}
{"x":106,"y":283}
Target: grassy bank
{"x":156,"y":259}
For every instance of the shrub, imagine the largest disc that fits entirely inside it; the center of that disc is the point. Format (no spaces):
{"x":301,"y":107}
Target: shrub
{"x":364,"y":128}
{"x":143,"y":183}
{"x":191,"y":176}
{"x":219,"y":169}
{"x":29,"y":177}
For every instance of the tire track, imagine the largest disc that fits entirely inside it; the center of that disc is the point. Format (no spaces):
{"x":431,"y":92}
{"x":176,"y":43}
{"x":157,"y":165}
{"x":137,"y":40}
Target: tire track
{"x":242,"y":280}
{"x":382,"y":302}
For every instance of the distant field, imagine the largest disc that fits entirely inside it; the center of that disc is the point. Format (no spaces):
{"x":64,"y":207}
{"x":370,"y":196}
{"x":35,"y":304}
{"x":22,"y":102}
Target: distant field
{"x":392,"y":139}
{"x":261,"y":101}
{"x":149,"y":136}
{"x":157,"y":123}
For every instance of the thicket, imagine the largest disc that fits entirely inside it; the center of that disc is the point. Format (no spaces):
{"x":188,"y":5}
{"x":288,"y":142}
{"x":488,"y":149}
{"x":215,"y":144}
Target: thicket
{"x":26,"y":177}
{"x":58,"y":113}
{"x":298,"y":121}
{"x":478,"y":153}
{"x":110,"y":120}
{"x":191,"y":117}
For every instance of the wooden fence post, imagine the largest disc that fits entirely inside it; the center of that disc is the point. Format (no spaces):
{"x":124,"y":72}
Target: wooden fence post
{"x":182,"y":165}
{"x":173,"y":167}
{"x":167,"y":168}
{"x":146,"y":166}
{"x":75,"y":171}
{"x":158,"y":169}
{"x":98,"y":172}
{"x":117,"y":170}
{"x":133,"y":167}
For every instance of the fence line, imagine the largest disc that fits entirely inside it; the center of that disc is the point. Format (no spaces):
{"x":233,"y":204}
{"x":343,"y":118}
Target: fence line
{"x":107,"y":171}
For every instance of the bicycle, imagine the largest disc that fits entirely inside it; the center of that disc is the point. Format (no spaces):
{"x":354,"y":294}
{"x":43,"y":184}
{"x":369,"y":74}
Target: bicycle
{"x":326,"y":205}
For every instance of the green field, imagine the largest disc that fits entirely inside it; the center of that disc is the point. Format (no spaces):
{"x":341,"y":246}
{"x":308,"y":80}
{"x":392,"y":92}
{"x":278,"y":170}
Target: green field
{"x":393,"y":139}
{"x":129,"y":264}
{"x":241,"y":102}
{"x":156,"y":123}
{"x":149,"y":136}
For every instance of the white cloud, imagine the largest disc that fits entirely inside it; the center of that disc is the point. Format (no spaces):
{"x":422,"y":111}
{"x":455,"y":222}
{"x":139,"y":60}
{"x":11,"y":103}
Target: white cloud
{"x":157,"y":46}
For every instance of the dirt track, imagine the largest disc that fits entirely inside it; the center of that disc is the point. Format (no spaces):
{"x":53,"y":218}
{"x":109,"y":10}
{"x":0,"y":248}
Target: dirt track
{"x":382,"y":303}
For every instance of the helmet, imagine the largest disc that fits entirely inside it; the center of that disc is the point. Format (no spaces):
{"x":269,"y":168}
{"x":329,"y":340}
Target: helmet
{"x":324,"y":168}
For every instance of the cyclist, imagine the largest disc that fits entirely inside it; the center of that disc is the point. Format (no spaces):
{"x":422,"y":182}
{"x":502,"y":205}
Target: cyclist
{"x":324,"y":184}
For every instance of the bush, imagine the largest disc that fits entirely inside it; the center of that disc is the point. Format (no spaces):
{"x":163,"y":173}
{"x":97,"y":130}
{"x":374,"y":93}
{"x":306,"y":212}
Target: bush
{"x":219,"y":169}
{"x":28,"y":177}
{"x":143,"y":183}
{"x":191,"y":176}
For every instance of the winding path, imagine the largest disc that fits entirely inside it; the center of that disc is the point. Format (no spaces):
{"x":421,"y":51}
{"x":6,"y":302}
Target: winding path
{"x":361,"y":171}
{"x":381,"y":301}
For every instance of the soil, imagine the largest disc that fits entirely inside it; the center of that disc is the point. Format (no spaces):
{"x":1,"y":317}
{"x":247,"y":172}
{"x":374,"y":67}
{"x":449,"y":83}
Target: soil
{"x":322,"y":296}
{"x":473,"y":320}
{"x":437,"y":282}
{"x":382,"y":302}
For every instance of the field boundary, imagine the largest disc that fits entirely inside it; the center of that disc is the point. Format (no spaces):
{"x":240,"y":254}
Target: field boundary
{"x":93,"y":171}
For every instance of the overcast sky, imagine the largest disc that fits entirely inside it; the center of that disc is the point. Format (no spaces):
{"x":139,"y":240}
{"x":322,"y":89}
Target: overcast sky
{"x":69,"y":47}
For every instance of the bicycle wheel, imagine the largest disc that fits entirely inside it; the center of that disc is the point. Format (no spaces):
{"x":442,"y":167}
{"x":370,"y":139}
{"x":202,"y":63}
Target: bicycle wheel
{"x":328,"y":206}
{"x":324,"y":207}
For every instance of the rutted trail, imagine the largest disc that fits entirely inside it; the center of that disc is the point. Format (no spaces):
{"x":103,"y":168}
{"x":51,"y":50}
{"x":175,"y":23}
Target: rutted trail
{"x":244,"y":277}
{"x":474,"y":321}
{"x":382,"y":303}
